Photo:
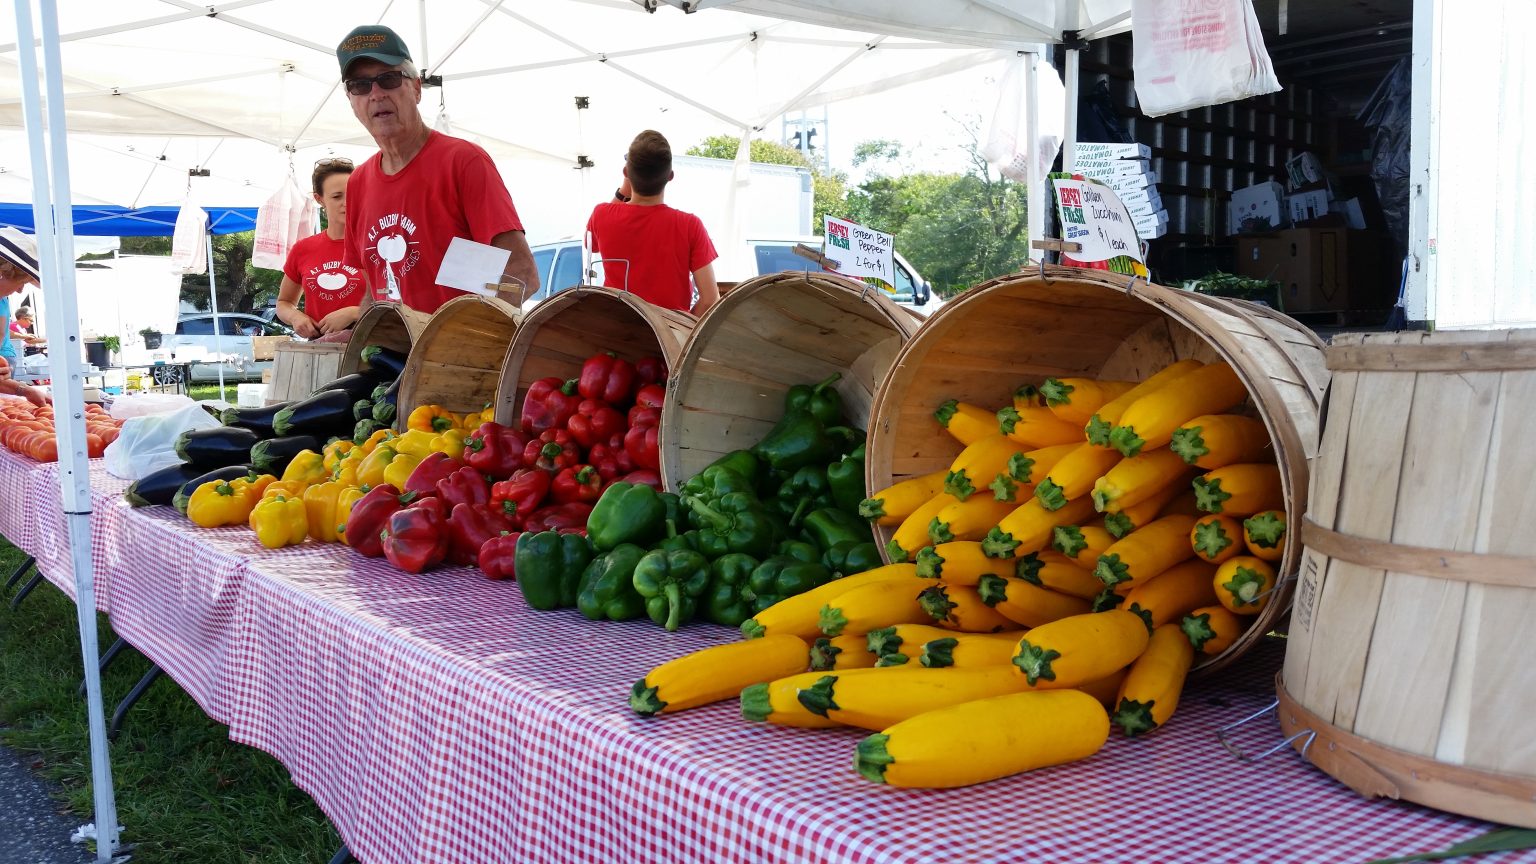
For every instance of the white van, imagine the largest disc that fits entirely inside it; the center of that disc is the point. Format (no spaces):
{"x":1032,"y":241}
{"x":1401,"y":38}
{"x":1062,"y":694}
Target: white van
{"x":559,"y":266}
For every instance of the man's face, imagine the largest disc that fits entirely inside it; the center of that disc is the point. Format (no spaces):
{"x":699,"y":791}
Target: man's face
{"x":385,"y":113}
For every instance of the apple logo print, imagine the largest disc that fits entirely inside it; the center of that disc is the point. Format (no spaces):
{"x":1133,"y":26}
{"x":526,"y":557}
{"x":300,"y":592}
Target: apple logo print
{"x":391,"y":247}
{"x":331,"y":281}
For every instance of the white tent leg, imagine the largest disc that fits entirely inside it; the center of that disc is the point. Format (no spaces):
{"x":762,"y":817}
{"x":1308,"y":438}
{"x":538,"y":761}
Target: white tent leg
{"x":218,"y":322}
{"x":56,"y":256}
{"x":1069,"y":140}
{"x":1036,"y":190}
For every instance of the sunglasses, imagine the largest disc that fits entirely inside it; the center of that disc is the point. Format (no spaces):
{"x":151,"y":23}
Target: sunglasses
{"x":386,"y":80}
{"x":337,"y":160}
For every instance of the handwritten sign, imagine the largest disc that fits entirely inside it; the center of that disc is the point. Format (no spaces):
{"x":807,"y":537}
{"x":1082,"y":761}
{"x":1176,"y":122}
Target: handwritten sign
{"x":1095,"y":217}
{"x":859,"y":251}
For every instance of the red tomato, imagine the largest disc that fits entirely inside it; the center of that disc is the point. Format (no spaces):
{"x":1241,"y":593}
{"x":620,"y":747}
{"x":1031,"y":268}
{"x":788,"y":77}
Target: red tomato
{"x":46,"y":449}
{"x":94,"y":446}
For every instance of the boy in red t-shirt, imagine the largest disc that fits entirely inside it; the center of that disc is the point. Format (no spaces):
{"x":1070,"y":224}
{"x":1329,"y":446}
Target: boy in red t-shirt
{"x":647,"y":247}
{"x":332,"y":290}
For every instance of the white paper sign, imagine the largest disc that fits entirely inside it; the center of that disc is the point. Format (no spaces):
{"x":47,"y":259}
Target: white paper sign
{"x":470,"y":266}
{"x":1093,"y":216}
{"x":860,"y":251}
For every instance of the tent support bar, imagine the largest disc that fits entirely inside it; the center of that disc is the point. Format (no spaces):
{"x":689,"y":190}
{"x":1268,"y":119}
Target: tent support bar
{"x":794,"y":101}
{"x":241,"y":22}
{"x":1069,"y":138}
{"x":126,"y":27}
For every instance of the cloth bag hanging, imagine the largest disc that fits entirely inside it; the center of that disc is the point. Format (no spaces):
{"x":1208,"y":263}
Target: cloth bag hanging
{"x":189,"y":243}
{"x":1194,"y":54}
{"x":286,"y":217}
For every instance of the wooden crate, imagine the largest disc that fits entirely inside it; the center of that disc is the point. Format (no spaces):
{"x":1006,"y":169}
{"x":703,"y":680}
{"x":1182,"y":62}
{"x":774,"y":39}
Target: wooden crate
{"x":265,"y":347}
{"x":299,"y":368}
{"x":1418,"y":584}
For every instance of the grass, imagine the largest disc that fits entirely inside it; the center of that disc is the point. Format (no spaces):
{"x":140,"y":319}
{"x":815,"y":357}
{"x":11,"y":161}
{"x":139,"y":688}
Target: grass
{"x":185,"y":792}
{"x":211,"y":391}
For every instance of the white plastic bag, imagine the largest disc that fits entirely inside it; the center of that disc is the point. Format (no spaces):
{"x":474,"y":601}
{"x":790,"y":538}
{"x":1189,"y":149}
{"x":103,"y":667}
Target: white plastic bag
{"x":189,"y":245}
{"x":1008,"y":146}
{"x":286,"y":218}
{"x":1194,"y":53}
{"x":147,"y":444}
{"x":145,"y":404}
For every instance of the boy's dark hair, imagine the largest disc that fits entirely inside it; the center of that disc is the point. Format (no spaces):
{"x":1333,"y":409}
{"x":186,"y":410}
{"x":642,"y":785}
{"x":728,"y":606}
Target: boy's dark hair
{"x":325,"y":168}
{"x":650,"y":163}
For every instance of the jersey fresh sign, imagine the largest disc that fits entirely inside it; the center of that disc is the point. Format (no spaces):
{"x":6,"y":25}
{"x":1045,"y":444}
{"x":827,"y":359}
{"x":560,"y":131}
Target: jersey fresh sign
{"x":854,"y":250}
{"x":1093,"y":216}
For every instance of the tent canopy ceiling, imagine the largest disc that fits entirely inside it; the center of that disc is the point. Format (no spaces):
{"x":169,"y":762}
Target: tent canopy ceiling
{"x":988,"y":23}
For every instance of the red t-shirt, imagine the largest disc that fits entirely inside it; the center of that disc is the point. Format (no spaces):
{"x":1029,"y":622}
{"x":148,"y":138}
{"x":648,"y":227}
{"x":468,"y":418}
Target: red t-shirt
{"x":662,"y":247}
{"x":315,"y":264}
{"x":399,"y":226}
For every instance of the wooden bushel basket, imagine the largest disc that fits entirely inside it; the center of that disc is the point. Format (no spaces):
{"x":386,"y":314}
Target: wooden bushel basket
{"x":764,"y":336}
{"x":1067,"y":321}
{"x":560,"y":334}
{"x":1408,"y":658}
{"x":456,"y":362}
{"x":391,"y":325}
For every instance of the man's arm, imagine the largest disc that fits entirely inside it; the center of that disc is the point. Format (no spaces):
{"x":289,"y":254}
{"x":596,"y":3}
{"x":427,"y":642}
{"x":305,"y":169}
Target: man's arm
{"x":709,"y":289}
{"x":520,"y":266}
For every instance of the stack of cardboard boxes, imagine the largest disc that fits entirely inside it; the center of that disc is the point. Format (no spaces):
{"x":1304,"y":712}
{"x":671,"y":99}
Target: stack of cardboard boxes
{"x":1127,"y":169}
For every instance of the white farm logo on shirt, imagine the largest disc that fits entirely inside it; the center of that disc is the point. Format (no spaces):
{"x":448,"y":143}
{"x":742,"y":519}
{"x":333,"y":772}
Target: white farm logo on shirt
{"x":334,"y":279}
{"x":389,"y":244}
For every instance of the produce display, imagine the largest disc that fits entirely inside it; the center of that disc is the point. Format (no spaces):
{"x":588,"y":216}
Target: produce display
{"x":1089,"y":542}
{"x":27,"y":429}
{"x":751,"y":529}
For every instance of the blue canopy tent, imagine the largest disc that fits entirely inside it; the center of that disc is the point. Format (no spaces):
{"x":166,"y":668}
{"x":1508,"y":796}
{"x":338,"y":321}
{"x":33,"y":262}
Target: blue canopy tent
{"x":107,"y":220}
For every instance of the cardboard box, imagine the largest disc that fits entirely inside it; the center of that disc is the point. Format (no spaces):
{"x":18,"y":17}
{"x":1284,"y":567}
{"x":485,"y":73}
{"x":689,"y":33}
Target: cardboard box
{"x":250,"y":395}
{"x":1306,"y":206}
{"x":1258,"y":208}
{"x":1323,"y":269}
{"x":1102,"y":150}
{"x":265,"y":347}
{"x":1350,"y":209}
{"x":1304,"y":169}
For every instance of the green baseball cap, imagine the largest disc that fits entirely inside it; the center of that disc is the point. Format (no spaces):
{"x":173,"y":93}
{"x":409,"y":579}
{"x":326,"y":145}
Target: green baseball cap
{"x":372,"y":42}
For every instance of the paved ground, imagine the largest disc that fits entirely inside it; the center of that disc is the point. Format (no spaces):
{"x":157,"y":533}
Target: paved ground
{"x":32,"y":831}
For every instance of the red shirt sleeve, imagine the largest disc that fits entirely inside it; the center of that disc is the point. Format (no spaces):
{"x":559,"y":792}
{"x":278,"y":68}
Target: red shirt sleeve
{"x":487,"y":203}
{"x":291,"y":264}
{"x":352,"y":242}
{"x":701,"y":250}
{"x":592,"y":226}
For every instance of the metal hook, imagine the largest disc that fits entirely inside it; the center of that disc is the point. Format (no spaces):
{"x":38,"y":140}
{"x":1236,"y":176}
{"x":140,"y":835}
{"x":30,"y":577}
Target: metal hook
{"x":1043,"y":278}
{"x":1240,"y":753}
{"x":1130,"y":287}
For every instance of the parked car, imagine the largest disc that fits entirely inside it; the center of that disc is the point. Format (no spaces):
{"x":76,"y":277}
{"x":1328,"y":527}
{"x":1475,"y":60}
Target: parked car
{"x":560,"y":268}
{"x":234,"y":340}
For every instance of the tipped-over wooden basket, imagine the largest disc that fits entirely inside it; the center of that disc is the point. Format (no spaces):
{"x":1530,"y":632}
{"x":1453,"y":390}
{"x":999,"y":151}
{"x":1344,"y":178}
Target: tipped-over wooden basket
{"x":390,"y":325}
{"x":456,"y":362}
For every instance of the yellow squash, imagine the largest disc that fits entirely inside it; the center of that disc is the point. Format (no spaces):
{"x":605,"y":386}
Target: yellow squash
{"x":970,"y":650}
{"x":985,"y":739}
{"x":960,"y":607}
{"x":1074,"y":400}
{"x":1240,"y":490}
{"x":1212,"y":629}
{"x":1173,"y":593}
{"x":1106,"y":689}
{"x":1150,"y":421}
{"x":874,"y":605}
{"x":902,"y":639}
{"x":978,"y":464}
{"x":1098,"y":428}
{"x":1035,"y":426}
{"x":896,"y":502}
{"x":1028,"y":528}
{"x":1028,"y":604}
{"x":1137,"y":479}
{"x":778,"y":701}
{"x":1055,"y":571}
{"x":797,"y":615}
{"x":1244,"y":584}
{"x":960,"y":562}
{"x":1131,"y":518}
{"x":1074,"y":476}
{"x":1146,"y":552}
{"x":965,"y":422}
{"x":1215,"y":538}
{"x":1264,"y":535}
{"x":718,"y":673}
{"x":1150,"y":693}
{"x":876,"y":701}
{"x":1080,"y":648}
{"x":841,"y":652}
{"x":1082,"y":544}
{"x":1212,"y":441}
{"x":912,"y":534}
{"x":970,"y":519}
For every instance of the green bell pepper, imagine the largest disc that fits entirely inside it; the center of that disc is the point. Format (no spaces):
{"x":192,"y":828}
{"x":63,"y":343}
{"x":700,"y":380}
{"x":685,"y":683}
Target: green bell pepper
{"x":730,"y":599}
{"x":847,"y":557}
{"x":798,"y":550}
{"x":735,"y":523}
{"x":845,"y":480}
{"x":626,"y":513}
{"x":829,"y":526}
{"x":779,"y":577}
{"x":804,"y":491}
{"x":672,"y":504}
{"x":712,"y":484}
{"x":819,"y":400}
{"x":608,"y":588}
{"x":549,"y":567}
{"x":671,"y":583}
{"x":743,"y":462}
{"x":799,"y":439}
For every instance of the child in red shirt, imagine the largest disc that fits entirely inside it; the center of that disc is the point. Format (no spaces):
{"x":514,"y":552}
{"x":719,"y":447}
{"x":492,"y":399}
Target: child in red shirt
{"x":332,"y":290}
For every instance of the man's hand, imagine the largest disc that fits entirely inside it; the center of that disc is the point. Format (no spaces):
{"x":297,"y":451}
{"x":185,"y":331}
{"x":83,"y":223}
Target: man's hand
{"x":305,"y":326}
{"x":33,"y":395}
{"x":341,"y":319}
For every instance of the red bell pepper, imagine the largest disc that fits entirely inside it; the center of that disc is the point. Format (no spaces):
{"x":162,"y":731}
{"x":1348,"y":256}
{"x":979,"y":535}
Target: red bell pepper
{"x":552,"y":450}
{"x":643,"y":476}
{"x":594,"y":421}
{"x":495,"y":450}
{"x":497,"y":556}
{"x":370,"y":515}
{"x":643,"y":416}
{"x":643,"y":444}
{"x":519,"y":496}
{"x":549,"y":404}
{"x":564,"y":518}
{"x":610,"y":458}
{"x":577,"y":483}
{"x":650,"y":370}
{"x":416,"y":537}
{"x":606,"y":377}
{"x":469,"y":527}
{"x":464,"y":486}
{"x":650,"y":396}
{"x":436,"y":466}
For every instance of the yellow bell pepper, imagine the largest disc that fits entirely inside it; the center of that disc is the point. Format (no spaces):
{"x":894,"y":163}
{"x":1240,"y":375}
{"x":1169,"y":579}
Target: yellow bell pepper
{"x":433,"y":418}
{"x":218,"y":503}
{"x":450,"y":443}
{"x":371,"y":471}
{"x":334,"y":452}
{"x":291,"y":488}
{"x":320,"y":503}
{"x":348,"y":497}
{"x":399,"y":469}
{"x":280,"y":521}
{"x":415,"y":442}
{"x":374,"y":440}
{"x":253,"y":486}
{"x":307,"y":467}
{"x":473,"y":419}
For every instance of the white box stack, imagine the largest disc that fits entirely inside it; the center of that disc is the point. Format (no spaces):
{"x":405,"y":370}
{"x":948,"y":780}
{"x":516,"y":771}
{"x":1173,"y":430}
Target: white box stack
{"x":1127,"y":169}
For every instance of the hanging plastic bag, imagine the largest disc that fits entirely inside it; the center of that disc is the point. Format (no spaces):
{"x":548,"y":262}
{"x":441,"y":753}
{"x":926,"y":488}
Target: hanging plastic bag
{"x":147,"y":444}
{"x":284,"y":219}
{"x":189,"y":252}
{"x":1008,"y":147}
{"x":1190,"y":55}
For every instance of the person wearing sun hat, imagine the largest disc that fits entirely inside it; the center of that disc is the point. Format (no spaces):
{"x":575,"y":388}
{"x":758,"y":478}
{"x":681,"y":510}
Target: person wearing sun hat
{"x":18,"y":269}
{"x":423,"y":188}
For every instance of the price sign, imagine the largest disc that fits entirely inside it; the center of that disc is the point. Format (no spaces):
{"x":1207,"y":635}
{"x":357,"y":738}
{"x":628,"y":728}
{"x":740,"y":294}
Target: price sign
{"x":859,"y":251}
{"x":1094,"y":216}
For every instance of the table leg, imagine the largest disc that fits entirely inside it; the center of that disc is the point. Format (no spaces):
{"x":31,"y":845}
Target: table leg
{"x":342,"y":856}
{"x":108,"y":657}
{"x":133,"y":696}
{"x":26,"y":589}
{"x":20,"y":571}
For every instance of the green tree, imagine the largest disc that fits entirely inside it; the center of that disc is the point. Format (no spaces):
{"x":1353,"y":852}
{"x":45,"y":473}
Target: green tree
{"x":829,"y":190}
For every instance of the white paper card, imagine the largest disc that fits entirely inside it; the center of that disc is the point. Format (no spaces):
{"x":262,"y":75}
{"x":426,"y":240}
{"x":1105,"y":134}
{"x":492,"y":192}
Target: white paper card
{"x":470,"y":266}
{"x":1093,"y":216}
{"x":860,"y":251}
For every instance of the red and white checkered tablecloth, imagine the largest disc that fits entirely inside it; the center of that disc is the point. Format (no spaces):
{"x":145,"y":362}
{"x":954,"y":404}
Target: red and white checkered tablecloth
{"x":436,"y":718}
